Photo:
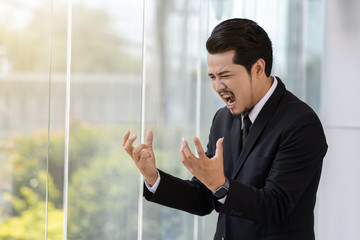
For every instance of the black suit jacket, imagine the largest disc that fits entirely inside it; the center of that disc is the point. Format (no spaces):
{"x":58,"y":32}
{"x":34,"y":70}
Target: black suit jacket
{"x":273,"y":182}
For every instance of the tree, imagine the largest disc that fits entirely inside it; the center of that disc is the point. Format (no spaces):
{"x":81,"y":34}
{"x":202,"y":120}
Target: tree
{"x":30,"y":224}
{"x":29,"y":156}
{"x":103,"y":199}
{"x":103,"y":188}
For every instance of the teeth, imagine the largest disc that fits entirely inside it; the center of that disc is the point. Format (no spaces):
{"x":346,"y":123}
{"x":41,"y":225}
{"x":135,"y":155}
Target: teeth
{"x":230,"y":103}
{"x":226,"y":95}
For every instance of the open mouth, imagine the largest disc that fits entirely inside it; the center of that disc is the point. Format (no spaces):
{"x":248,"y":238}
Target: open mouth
{"x":229,"y":98}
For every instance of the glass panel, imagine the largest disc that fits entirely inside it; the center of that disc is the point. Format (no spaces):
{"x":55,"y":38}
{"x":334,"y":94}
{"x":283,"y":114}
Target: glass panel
{"x":210,"y":102}
{"x":105,"y":101}
{"x":172,"y":57}
{"x":57,"y":117}
{"x":314,"y":51}
{"x":24,"y":103}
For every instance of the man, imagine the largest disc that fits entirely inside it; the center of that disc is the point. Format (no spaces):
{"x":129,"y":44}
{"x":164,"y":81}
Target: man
{"x":264,"y":157}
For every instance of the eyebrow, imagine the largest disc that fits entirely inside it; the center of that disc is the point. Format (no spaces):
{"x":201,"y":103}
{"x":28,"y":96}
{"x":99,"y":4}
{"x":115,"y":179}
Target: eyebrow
{"x":220,"y":73}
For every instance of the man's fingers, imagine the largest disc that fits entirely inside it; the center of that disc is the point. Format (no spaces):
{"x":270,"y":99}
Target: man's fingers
{"x":136,"y":153}
{"x":219,"y":148}
{"x":128,"y":146}
{"x":199,"y":148}
{"x":186,"y":150}
{"x":126,"y":137}
{"x":149,"y":138}
{"x":185,"y":160}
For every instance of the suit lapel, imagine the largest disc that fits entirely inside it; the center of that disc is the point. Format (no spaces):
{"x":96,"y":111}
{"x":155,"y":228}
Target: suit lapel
{"x":258,"y":126}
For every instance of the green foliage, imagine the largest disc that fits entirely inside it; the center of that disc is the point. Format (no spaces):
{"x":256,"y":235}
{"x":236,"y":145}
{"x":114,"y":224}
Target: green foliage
{"x":30,"y":224}
{"x":28,"y":158}
{"x":103,"y":188}
{"x":29,"y":155}
{"x":100,"y":178}
{"x":103,"y":199}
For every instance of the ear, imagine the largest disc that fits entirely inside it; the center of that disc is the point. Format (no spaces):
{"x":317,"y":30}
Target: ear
{"x":258,"y":68}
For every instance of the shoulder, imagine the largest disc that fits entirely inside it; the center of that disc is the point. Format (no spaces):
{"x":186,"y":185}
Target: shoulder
{"x":223,"y":119}
{"x":295,"y":111}
{"x":222,"y":114}
{"x":297,"y":120}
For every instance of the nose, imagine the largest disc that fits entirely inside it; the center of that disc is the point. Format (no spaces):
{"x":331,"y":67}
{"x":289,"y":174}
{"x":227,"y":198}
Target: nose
{"x":218,"y":85}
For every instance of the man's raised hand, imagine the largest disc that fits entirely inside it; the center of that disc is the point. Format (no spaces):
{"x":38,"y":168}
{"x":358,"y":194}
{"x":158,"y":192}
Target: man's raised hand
{"x":143,"y":155}
{"x":209,"y":171}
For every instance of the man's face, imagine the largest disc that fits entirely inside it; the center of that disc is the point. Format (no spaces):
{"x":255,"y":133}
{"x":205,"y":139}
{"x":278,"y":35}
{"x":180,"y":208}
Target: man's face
{"x":232,"y":82}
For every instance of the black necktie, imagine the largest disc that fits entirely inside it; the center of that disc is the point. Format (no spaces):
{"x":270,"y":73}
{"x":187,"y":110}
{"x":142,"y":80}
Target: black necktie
{"x":245,"y":130}
{"x":236,"y":137}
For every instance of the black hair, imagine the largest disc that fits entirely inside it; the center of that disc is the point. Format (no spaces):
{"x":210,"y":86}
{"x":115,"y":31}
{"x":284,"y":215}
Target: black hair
{"x":247,"y":38}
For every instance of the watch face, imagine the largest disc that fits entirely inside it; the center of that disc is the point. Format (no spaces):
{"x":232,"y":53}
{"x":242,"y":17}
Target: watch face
{"x":221,"y":192}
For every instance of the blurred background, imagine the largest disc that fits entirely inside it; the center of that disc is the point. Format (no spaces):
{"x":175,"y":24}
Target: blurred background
{"x":75,"y":75}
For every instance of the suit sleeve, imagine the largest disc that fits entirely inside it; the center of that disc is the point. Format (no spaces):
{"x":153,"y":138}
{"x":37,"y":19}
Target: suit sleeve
{"x":292,"y":180}
{"x":188,"y":195}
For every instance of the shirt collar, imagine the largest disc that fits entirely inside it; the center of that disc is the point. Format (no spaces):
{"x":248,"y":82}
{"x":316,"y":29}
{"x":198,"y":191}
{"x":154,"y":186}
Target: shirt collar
{"x":257,"y":108}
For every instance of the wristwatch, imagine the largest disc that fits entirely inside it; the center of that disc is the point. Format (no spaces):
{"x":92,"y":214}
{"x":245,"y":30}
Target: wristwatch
{"x":222,"y":190}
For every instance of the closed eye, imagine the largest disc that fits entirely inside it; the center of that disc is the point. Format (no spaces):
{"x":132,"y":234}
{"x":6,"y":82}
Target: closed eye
{"x":212,"y":77}
{"x":225,"y":76}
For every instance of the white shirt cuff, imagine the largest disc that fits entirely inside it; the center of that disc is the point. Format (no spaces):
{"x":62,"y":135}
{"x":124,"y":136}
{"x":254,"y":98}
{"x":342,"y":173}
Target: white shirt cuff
{"x":154,"y":187}
{"x":222,"y":200}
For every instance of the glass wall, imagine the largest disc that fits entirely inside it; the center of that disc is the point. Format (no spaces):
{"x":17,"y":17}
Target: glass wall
{"x":25,"y":30}
{"x":75,"y":75}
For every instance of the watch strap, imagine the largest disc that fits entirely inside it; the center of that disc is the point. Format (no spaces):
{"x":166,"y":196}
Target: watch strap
{"x":222,"y":190}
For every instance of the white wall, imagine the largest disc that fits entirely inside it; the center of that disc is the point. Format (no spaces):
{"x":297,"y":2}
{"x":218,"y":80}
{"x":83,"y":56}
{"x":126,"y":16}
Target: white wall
{"x":339,"y":192}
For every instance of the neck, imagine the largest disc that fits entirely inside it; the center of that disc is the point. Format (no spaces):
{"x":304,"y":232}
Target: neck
{"x":266,"y":83}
